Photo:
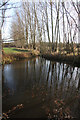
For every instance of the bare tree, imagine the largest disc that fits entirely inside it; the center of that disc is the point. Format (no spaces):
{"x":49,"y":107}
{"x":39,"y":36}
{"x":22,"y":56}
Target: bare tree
{"x":57,"y":25}
{"x":51,"y":4}
{"x":47,"y":24}
{"x":18,"y":31}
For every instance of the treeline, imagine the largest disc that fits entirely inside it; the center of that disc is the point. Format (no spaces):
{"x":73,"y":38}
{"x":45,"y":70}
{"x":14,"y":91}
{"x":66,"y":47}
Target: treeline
{"x":56,"y":23}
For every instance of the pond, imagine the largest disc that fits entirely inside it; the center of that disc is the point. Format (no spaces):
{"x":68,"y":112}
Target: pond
{"x":45,"y":88}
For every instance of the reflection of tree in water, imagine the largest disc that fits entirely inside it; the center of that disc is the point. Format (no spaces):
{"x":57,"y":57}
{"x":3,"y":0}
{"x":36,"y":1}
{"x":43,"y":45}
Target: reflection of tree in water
{"x":79,"y":84}
{"x":79,"y":79}
{"x":63,"y":88}
{"x":54,"y":85}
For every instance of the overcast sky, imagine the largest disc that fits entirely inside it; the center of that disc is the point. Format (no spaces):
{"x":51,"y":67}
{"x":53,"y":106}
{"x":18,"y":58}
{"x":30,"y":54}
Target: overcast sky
{"x":11,"y":14}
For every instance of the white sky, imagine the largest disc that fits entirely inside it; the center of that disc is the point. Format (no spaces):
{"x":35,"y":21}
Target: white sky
{"x":7,"y":24}
{"x":11,"y":14}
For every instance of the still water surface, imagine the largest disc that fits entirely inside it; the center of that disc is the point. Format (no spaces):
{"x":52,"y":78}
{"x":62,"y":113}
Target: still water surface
{"x":44,"y":88}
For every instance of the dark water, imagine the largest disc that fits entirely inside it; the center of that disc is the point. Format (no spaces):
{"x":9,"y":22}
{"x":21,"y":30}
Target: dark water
{"x":45,"y":88}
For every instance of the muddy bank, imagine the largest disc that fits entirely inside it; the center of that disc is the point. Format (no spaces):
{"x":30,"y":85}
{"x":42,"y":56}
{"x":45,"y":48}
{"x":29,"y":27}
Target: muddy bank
{"x":70,"y":59}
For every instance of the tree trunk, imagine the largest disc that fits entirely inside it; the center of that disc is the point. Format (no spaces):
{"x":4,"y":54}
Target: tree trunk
{"x":0,"y":47}
{"x":79,"y":23}
{"x":34,"y":46}
{"x":47,"y":26}
{"x":52,"y":20}
{"x":78,"y":30}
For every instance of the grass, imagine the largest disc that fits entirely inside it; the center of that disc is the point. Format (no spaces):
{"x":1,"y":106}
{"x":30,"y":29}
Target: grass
{"x":12,"y":54}
{"x":14,"y":50}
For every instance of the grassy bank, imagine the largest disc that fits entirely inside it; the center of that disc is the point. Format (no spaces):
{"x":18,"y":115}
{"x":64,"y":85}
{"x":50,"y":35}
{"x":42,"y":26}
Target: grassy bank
{"x":14,"y":50}
{"x":10,"y":55}
{"x":70,"y":59}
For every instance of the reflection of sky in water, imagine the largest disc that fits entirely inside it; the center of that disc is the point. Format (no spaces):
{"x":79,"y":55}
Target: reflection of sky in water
{"x":9,"y":76}
{"x":38,"y":71}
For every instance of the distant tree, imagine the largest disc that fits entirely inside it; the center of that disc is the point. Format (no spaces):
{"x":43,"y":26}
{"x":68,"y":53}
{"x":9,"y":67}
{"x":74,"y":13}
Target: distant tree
{"x":18,"y":31}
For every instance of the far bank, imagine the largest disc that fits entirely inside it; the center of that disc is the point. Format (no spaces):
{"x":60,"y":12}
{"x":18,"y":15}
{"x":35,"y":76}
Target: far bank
{"x":69,"y":59}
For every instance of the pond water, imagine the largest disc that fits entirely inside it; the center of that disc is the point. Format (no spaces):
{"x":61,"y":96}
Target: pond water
{"x":45,"y":88}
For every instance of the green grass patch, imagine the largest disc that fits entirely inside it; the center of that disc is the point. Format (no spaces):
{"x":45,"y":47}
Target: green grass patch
{"x":14,"y":50}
